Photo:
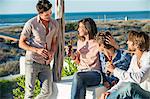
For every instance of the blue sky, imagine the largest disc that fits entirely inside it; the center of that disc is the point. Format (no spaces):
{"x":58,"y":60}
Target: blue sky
{"x":28,"y":6}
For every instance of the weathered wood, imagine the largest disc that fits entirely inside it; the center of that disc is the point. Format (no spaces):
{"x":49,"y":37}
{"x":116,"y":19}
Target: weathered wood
{"x":59,"y":56}
{"x":8,"y":38}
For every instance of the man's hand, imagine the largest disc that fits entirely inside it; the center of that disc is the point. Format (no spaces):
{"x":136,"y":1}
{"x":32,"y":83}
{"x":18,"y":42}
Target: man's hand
{"x":43,"y":52}
{"x":50,"y":57}
{"x":104,"y":95}
{"x":110,"y":40}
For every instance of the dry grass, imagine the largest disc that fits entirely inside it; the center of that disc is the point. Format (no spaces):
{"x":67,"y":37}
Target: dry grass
{"x":11,"y":67}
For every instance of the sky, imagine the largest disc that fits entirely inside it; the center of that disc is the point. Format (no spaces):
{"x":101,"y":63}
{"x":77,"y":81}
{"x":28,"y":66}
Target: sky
{"x":28,"y":6}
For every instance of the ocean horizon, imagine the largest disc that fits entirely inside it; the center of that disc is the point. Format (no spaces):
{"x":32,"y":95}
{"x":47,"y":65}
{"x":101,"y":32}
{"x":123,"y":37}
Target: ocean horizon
{"x":19,"y":19}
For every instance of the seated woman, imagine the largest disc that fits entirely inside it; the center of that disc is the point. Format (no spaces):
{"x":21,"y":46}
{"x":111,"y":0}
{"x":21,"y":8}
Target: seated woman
{"x":88,"y":59}
{"x":111,"y":55}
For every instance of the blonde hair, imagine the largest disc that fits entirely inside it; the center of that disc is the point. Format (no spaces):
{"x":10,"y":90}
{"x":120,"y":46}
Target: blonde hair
{"x":141,"y":39}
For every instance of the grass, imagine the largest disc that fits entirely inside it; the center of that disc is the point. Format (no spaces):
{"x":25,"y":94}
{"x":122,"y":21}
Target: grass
{"x":16,"y":88}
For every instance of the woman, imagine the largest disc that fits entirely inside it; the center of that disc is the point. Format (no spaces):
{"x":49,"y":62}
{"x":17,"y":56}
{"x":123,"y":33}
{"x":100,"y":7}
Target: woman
{"x":88,"y":59}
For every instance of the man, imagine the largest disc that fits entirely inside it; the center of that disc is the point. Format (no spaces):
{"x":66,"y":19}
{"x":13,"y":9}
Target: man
{"x":38,"y":38}
{"x":134,"y":83}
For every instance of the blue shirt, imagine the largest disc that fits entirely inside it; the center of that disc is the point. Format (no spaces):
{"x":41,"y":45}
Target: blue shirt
{"x":122,"y":61}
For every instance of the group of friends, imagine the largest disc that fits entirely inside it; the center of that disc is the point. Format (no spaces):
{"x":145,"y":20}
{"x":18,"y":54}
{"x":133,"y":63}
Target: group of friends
{"x":101,"y":61}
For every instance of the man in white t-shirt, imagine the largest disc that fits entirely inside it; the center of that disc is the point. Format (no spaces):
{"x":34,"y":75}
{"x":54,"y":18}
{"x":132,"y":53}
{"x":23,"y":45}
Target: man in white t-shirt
{"x":134,"y":83}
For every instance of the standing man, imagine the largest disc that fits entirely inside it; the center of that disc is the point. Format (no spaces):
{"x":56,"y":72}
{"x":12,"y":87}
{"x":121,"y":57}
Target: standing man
{"x":38,"y":38}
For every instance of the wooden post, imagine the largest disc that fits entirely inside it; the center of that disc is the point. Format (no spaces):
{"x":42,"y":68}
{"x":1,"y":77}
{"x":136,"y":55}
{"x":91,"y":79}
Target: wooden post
{"x":59,"y":56}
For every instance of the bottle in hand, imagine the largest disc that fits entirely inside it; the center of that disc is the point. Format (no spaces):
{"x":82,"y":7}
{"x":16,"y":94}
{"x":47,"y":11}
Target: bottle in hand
{"x":69,"y":49}
{"x":46,"y":58}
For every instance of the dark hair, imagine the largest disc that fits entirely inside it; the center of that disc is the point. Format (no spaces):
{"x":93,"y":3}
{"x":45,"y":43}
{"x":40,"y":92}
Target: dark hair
{"x":43,"y":5}
{"x":90,"y":26}
{"x":101,"y":38}
{"x":141,"y":39}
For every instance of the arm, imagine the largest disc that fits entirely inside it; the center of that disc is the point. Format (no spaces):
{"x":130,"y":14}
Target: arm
{"x":25,"y":34}
{"x":137,"y":77}
{"x":110,"y":40}
{"x":25,"y":46}
{"x":124,"y":61}
{"x":76,"y":56}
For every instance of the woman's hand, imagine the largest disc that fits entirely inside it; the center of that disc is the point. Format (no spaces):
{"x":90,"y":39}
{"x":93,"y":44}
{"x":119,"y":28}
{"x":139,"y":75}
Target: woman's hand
{"x":69,"y":50}
{"x":70,"y":53}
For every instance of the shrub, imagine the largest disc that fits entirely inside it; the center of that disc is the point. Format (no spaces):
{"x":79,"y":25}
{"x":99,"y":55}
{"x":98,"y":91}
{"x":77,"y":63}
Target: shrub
{"x":70,"y":69}
{"x":6,"y":87}
{"x":7,"y":41}
{"x":146,"y":28}
{"x":71,"y":26}
{"x":19,"y":91}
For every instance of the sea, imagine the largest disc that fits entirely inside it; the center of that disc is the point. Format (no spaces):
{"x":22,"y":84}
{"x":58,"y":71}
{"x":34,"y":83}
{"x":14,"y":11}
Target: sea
{"x":7,"y":20}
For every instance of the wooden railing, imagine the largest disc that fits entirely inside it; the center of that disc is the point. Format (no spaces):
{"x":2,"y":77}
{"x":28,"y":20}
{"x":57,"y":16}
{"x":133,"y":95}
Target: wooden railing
{"x":9,"y":38}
